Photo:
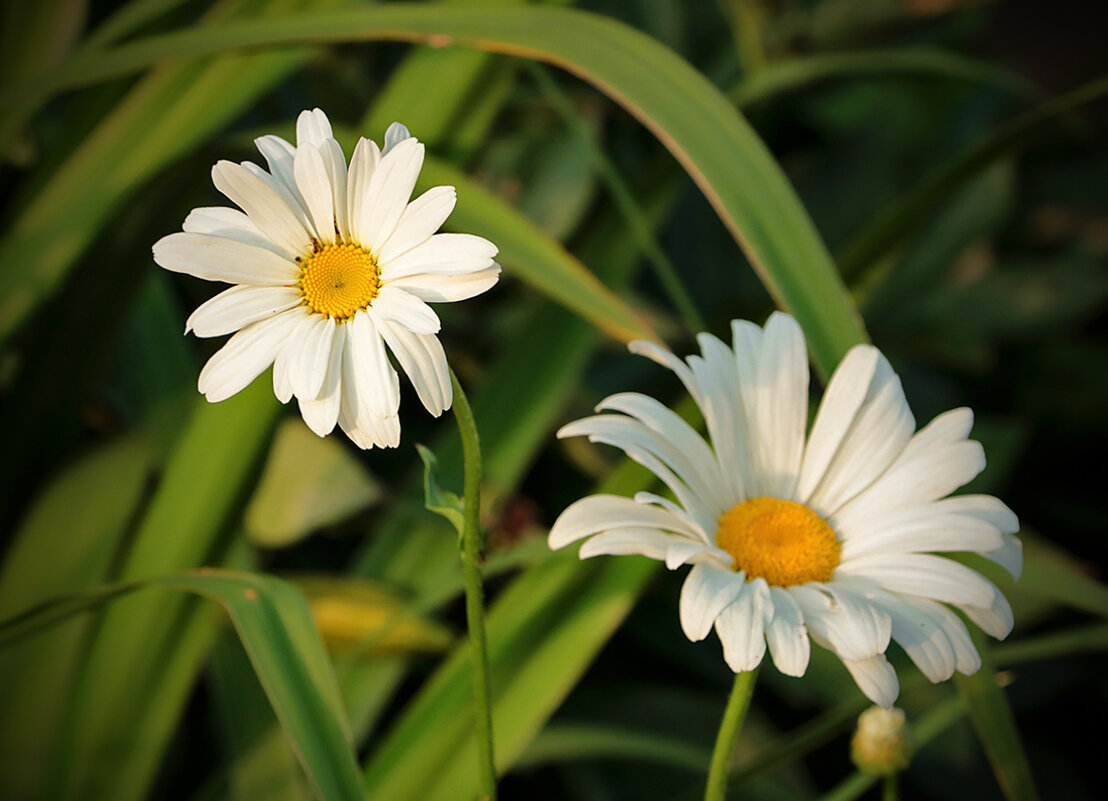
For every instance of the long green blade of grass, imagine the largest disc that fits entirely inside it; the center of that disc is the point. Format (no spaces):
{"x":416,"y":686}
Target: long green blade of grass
{"x":275,"y":626}
{"x":680,"y":106}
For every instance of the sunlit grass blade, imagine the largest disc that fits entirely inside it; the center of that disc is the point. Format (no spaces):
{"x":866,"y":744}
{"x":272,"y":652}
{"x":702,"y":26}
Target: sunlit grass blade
{"x":678,"y":104}
{"x":275,"y":626}
{"x":789,"y":75}
{"x":915,"y":207}
{"x":565,"y":742}
{"x":995,"y":724}
{"x":1086,"y":639}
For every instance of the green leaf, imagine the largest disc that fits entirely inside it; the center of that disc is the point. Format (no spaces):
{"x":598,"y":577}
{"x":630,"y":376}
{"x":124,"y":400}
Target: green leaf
{"x":567,"y":741}
{"x":441,"y":502}
{"x":992,"y":719}
{"x":275,"y":626}
{"x":308,"y":483}
{"x":679,"y":105}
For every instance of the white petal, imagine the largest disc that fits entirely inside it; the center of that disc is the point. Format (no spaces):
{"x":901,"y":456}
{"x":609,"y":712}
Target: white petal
{"x":922,"y":637}
{"x":844,"y":395}
{"x":966,"y":659}
{"x":423,"y":360}
{"x":948,"y":427}
{"x":741,"y":627}
{"x":362,"y":166}
{"x":927,"y":476}
{"x":598,"y":513}
{"x":216,"y":258}
{"x":395,"y":134}
{"x":442,"y":254}
{"x":264,"y":206}
{"x":671,"y":428}
{"x":393,"y":303}
{"x":229,"y":223}
{"x":422,"y":217}
{"x":781,"y":412}
{"x":238,"y":307}
{"x":311,"y":355}
{"x":683,"y":551}
{"x":365,"y":428}
{"x":787,"y":635}
{"x":994,"y":619}
{"x":280,"y":156}
{"x":876,"y":679}
{"x":314,"y":182}
{"x":656,"y":353}
{"x":313,"y":127}
{"x":322,"y":413}
{"x":851,"y":626}
{"x":448,"y":288}
{"x":682,"y":515}
{"x":245,"y":356}
{"x":706,"y":592}
{"x":649,"y":542}
{"x":918,"y":533}
{"x":985,"y":507}
{"x":387,"y":195}
{"x":1009,"y":555}
{"x":378,"y":386}
{"x":924,"y":575}
{"x":717,"y":379}
{"x":878,"y":435}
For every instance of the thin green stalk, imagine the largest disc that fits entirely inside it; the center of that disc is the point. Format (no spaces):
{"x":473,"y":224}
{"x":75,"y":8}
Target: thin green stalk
{"x":889,"y":791}
{"x":729,"y":729}
{"x":471,"y":563}
{"x":625,"y":202}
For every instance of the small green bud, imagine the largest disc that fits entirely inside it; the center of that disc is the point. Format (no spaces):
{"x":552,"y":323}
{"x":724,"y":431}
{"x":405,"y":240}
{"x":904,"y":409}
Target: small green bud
{"x":882,"y":743}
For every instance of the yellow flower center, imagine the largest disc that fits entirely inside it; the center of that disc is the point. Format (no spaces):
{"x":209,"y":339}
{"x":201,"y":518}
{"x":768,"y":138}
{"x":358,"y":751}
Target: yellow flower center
{"x":339,"y":279}
{"x":783,"y":542}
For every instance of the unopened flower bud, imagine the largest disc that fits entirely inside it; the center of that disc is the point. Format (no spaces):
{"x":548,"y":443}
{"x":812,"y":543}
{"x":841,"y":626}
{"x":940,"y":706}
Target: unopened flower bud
{"x":882,"y":743}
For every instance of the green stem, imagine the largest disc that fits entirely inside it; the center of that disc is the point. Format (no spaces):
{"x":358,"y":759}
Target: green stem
{"x":729,"y":728}
{"x":889,"y":792}
{"x":471,"y":563}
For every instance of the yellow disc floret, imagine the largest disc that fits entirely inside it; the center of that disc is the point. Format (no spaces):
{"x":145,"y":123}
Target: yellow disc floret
{"x":783,"y":542}
{"x":337,"y":280}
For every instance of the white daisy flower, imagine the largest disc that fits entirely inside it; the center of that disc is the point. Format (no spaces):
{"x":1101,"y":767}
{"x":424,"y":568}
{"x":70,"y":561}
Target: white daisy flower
{"x":830,"y":536}
{"x":330,"y":264}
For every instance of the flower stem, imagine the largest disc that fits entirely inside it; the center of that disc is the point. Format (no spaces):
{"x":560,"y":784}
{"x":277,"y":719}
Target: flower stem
{"x":472,"y":543}
{"x":729,"y":729}
{"x":890,"y":793}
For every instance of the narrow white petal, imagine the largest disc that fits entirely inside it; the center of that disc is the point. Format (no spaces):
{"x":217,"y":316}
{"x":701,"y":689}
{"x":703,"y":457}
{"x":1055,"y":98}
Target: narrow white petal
{"x":442,"y":254}
{"x":280,"y":156}
{"x":263,"y":205}
{"x":362,"y":166}
{"x":782,"y":406}
{"x":876,"y":679}
{"x":423,"y":360}
{"x":966,"y":659}
{"x":314,"y":182}
{"x":598,"y":513}
{"x":396,"y":305}
{"x":995,"y":619}
{"x":985,"y":507}
{"x":245,"y":356}
{"x":322,"y":413}
{"x":926,"y":477}
{"x":312,"y":355}
{"x":395,"y":134}
{"x":841,"y":401}
{"x":387,"y":195}
{"x":216,"y":258}
{"x":378,"y":386}
{"x":922,"y":533}
{"x":716,"y":374}
{"x":422,"y":217}
{"x":924,"y":575}
{"x":742,"y":627}
{"x":335,"y":161}
{"x":1009,"y":555}
{"x":685,"y":518}
{"x":851,"y":626}
{"x":879,"y":434}
{"x":313,"y":127}
{"x":229,"y":223}
{"x":787,"y":635}
{"x":365,"y":429}
{"x":448,"y":288}
{"x":648,"y":542}
{"x":683,"y":551}
{"x":922,"y":636}
{"x":238,"y":307}
{"x":656,"y":353}
{"x":706,"y":592}
{"x":948,"y":427}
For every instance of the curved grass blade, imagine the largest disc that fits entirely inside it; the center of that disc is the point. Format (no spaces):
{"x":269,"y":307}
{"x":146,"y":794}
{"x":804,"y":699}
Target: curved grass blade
{"x":680,"y":106}
{"x":275,"y":626}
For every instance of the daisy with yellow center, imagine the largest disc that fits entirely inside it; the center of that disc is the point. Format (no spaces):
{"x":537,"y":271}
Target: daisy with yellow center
{"x":333,"y":269}
{"x":830,"y":535}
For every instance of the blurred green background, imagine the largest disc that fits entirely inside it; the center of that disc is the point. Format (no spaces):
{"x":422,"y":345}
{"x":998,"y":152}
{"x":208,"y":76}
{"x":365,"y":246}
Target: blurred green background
{"x":951,"y":155}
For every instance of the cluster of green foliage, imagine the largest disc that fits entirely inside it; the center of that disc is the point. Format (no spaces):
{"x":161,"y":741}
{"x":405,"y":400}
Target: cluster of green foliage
{"x":963,"y":204}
